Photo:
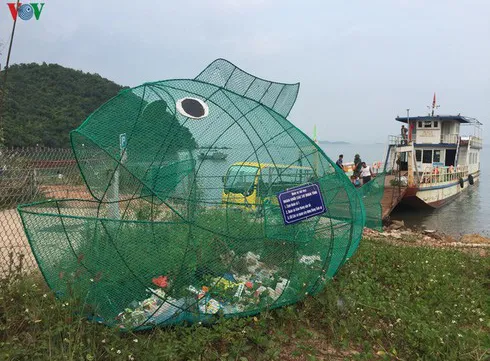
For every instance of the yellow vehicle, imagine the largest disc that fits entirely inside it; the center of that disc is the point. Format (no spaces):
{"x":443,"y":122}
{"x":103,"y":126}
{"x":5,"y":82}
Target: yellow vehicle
{"x":250,"y":183}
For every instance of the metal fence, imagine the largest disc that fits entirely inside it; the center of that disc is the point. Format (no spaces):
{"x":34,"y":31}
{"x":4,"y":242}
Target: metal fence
{"x":29,"y":175}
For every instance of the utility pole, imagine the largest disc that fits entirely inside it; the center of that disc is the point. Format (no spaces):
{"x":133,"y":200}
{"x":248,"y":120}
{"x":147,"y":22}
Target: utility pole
{"x":5,"y":73}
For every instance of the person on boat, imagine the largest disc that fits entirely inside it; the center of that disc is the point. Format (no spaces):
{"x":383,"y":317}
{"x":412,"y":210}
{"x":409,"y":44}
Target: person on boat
{"x":366,"y":173}
{"x":357,"y":165}
{"x":340,"y":161}
{"x":451,"y":172}
{"x":404,"y":132}
{"x":435,"y":172}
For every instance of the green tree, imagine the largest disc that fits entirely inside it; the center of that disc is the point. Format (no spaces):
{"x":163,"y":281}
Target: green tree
{"x":44,"y":102}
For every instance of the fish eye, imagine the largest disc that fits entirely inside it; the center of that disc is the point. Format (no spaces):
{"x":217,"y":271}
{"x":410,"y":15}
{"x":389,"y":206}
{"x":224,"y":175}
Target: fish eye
{"x":192,"y":108}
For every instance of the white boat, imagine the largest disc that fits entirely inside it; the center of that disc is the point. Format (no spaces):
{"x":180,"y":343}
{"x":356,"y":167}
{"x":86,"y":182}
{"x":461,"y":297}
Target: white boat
{"x":434,"y":160}
{"x":212,"y":154}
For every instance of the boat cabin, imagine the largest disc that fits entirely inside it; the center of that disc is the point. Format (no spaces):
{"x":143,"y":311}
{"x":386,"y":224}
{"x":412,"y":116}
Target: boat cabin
{"x":432,"y":160}
{"x":437,"y":138}
{"x":435,"y":144}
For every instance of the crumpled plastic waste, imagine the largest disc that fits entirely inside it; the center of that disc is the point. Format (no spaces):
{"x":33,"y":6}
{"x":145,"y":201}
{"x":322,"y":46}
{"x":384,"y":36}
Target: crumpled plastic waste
{"x":309,"y":260}
{"x":252,"y":260}
{"x":152,"y":310}
{"x":209,"y":305}
{"x":229,"y":293}
{"x":161,"y":281}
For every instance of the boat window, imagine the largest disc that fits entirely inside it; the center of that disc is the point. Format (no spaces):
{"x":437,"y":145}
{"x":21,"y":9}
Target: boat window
{"x":418,"y":155}
{"x":427,"y":156}
{"x":436,"y":124}
{"x":240,"y":179}
{"x":437,"y":156}
{"x":428,"y":124}
{"x":420,"y":124}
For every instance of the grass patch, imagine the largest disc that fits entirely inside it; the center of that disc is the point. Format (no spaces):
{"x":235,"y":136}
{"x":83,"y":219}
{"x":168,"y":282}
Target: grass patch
{"x":388,"y":302}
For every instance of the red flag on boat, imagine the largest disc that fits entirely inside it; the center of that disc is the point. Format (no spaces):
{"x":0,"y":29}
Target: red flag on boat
{"x":434,"y":101}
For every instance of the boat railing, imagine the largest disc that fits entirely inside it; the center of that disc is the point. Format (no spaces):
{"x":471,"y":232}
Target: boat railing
{"x":396,"y":140}
{"x":476,"y":142}
{"x":436,"y":174}
{"x":449,"y":138}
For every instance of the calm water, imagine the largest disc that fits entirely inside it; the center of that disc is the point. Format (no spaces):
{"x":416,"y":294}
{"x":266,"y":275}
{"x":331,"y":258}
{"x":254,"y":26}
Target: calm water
{"x":468,"y":213}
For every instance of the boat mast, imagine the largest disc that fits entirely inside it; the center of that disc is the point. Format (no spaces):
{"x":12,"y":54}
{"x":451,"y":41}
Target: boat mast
{"x":409,"y":152}
{"x":434,"y":105}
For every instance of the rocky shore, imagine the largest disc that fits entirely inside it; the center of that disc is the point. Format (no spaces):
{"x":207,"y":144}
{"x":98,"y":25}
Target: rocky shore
{"x":397,"y":233}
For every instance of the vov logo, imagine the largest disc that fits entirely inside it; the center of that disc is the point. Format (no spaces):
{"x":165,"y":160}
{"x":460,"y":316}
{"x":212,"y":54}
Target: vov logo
{"x":25,"y":11}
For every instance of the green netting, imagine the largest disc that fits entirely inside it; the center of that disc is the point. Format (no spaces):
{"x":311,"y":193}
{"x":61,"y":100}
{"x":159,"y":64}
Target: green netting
{"x":185,"y":223}
{"x":372,"y":194}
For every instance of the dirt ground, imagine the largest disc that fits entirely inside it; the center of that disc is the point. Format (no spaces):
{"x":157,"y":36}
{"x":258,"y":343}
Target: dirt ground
{"x":14,"y":247}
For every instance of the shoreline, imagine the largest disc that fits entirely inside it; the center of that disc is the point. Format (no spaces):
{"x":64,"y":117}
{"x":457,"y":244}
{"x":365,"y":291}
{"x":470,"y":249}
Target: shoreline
{"x":397,"y":233}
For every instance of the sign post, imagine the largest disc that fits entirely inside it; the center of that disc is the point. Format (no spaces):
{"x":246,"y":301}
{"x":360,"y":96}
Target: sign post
{"x":300,"y":203}
{"x":114,"y":212}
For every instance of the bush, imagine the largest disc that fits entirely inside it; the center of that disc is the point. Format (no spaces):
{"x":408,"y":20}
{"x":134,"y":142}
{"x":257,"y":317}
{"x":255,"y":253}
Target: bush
{"x":389,"y":302}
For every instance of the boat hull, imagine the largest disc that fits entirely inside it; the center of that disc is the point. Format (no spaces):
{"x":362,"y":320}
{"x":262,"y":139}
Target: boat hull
{"x":436,"y":195}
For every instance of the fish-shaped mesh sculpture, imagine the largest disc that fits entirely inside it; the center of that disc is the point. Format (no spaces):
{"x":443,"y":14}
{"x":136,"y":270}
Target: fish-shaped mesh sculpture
{"x":185,"y":221}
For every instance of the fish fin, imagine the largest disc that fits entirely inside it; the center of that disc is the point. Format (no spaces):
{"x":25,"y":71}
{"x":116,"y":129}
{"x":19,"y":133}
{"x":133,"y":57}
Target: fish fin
{"x":278,"y":96}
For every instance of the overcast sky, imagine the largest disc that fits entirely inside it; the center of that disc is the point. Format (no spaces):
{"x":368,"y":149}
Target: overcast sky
{"x":360,"y":63}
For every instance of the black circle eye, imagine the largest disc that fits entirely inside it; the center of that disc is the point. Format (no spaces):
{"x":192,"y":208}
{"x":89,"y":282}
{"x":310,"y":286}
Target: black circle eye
{"x":192,"y":108}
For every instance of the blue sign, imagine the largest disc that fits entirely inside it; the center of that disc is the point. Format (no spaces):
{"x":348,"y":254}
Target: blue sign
{"x":123,"y":141}
{"x":301,"y":203}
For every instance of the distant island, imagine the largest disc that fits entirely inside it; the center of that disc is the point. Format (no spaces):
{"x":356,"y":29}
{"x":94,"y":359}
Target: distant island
{"x":332,"y":142}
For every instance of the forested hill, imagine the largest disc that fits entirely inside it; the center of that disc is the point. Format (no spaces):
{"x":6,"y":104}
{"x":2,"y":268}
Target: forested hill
{"x":44,"y":102}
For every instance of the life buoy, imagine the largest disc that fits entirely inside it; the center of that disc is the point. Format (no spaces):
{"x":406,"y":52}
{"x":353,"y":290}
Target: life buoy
{"x":461,"y":182}
{"x":471,"y":181}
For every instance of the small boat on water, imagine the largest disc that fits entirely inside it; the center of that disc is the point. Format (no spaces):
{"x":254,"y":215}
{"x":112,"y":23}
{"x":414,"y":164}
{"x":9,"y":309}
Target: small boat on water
{"x":432,"y":160}
{"x":212,"y":154}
